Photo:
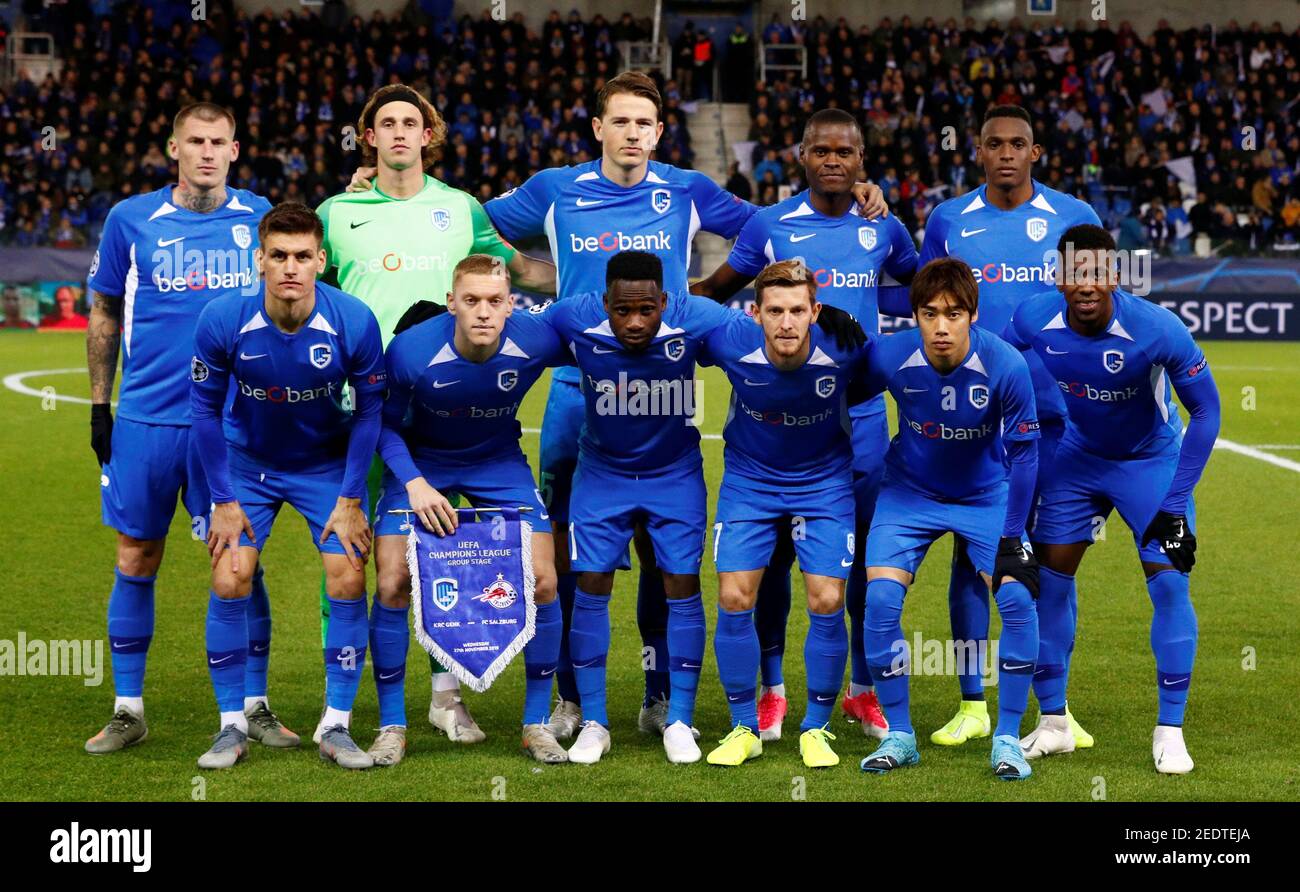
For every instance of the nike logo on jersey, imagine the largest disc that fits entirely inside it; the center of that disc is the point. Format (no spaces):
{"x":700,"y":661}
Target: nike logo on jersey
{"x":260,"y":650}
{"x":358,"y":225}
{"x":588,"y":203}
{"x":757,"y":383}
{"x":821,"y":699}
{"x":686,"y":665}
{"x":586,"y":665}
{"x":915,"y":389}
{"x":546,"y":672}
{"x":893,"y":674}
{"x":212,"y":662}
{"x":172,"y":241}
{"x":1011,"y":668}
{"x":254,"y":356}
{"x":392,"y":674}
{"x":799,"y":238}
{"x":1175,"y":681}
{"x":967,"y":233}
{"x":438,"y":385}
{"x":848,"y":563}
{"x":598,"y":350}
{"x":1057,"y":352}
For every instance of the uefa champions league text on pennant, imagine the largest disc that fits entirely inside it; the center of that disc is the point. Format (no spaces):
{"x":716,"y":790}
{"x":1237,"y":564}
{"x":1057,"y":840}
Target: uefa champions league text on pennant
{"x":472,"y":593}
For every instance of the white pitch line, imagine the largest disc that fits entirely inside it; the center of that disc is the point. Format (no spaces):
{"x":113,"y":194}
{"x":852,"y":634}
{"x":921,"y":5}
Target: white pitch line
{"x":1252,"y":452}
{"x":15,"y":382}
{"x":1277,"y":446}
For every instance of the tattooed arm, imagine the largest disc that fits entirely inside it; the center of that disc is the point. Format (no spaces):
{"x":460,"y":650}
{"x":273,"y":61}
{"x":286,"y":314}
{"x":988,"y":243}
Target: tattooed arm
{"x":103,"y":340}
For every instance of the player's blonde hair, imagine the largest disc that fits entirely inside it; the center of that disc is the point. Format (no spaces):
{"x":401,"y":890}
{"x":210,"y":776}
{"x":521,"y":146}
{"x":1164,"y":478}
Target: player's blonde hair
{"x":479,"y":265}
{"x":401,"y":93}
{"x":785,"y":274}
{"x":204,"y":111}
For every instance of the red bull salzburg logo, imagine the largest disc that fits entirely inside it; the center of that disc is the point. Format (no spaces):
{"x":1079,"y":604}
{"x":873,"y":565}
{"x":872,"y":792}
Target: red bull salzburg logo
{"x":499,"y":593}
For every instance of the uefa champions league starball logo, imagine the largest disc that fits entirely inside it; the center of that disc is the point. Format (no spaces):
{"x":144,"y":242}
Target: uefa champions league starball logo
{"x":499,"y":593}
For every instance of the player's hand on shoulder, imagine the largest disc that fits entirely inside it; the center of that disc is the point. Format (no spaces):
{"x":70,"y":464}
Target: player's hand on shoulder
{"x":843,"y":327}
{"x":361,"y":180}
{"x":101,"y":432}
{"x":349,"y":523}
{"x":432,"y":507}
{"x":871,"y":201}
{"x":227,"y":522}
{"x":1172,"y":533}
{"x":1016,"y":560}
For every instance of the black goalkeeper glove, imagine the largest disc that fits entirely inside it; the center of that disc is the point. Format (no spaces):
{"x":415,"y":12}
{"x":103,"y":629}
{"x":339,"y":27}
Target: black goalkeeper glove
{"x":101,"y":432}
{"x":846,"y":331}
{"x":1172,"y":534}
{"x":1015,"y":559}
{"x":417,"y":313}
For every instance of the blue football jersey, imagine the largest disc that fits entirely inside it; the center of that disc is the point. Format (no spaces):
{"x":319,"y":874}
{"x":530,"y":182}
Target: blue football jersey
{"x":449,"y":408}
{"x":167,"y":263}
{"x":784,"y":429}
{"x":287,"y":411}
{"x":589,"y":219}
{"x":1012,"y":254}
{"x":951,"y":427}
{"x":639,"y":406}
{"x":1116,"y":384}
{"x":845,"y":254}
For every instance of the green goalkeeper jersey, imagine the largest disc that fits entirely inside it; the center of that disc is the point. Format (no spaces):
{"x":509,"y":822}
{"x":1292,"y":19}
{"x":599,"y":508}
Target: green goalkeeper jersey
{"x":392,"y":252}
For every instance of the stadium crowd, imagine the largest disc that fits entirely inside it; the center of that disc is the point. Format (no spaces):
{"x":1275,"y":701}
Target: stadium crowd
{"x":1128,"y":122}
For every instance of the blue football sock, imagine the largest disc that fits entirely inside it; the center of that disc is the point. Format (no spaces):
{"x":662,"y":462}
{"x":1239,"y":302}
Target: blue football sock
{"x":772,"y":611}
{"x":259,"y":637}
{"x":1173,"y":641}
{"x":589,"y":648}
{"x":887,"y":651}
{"x":565,"y":588}
{"x":1074,"y":625}
{"x":390,"y":640}
{"x":855,"y":604}
{"x":825,"y":651}
{"x":735,"y":645}
{"x":540,"y":656}
{"x":968,"y":608}
{"x":130,"y":629}
{"x":345,"y":652}
{"x":227,"y":644}
{"x":652,"y":621}
{"x":1017,"y":653}
{"x":1055,"y":640}
{"x":686,"y":636}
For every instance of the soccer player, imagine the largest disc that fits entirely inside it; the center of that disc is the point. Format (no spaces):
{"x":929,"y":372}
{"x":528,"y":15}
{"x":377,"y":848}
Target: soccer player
{"x":1006,"y":231}
{"x":162,"y":257}
{"x":788,"y":466}
{"x":398,"y":243}
{"x":285,"y":352}
{"x":455,"y":383}
{"x":847,"y":253}
{"x":964,"y":461}
{"x":639,"y":462}
{"x":1113,"y":357}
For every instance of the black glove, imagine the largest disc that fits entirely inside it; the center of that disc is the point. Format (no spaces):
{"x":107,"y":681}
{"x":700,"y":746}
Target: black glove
{"x":846,"y":331}
{"x":1173,"y":535}
{"x":101,"y":432}
{"x":1015,"y":559}
{"x":417,"y":313}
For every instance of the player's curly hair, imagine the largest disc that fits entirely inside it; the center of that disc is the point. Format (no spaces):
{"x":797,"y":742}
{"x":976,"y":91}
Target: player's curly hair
{"x":402,"y":93}
{"x":946,"y":276}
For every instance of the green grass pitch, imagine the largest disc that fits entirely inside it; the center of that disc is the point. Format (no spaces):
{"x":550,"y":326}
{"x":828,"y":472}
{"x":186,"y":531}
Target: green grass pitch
{"x":56,"y":564}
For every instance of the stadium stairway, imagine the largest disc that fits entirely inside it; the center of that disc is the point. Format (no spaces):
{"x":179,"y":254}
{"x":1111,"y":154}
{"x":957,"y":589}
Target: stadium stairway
{"x":714,"y":128}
